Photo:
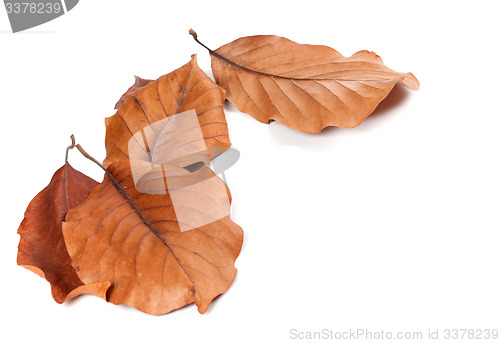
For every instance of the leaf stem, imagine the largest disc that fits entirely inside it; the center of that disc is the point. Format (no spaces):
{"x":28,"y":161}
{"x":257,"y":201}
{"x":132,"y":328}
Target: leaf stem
{"x":66,"y":169}
{"x":86,"y":155}
{"x":69,"y":148}
{"x":195,"y":36}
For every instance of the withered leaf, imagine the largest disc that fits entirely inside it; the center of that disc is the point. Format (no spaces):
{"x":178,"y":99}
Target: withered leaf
{"x":41,"y":247}
{"x":305,"y":87}
{"x":162,"y":247}
{"x":184,"y":89}
{"x":139,"y":83}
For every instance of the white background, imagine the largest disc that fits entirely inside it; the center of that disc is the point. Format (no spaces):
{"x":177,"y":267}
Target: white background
{"x":393,"y":225}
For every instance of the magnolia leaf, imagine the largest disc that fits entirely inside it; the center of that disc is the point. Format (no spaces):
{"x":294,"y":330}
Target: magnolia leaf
{"x":184,"y":89}
{"x":305,"y":87}
{"x":160,"y":249}
{"x":41,"y":247}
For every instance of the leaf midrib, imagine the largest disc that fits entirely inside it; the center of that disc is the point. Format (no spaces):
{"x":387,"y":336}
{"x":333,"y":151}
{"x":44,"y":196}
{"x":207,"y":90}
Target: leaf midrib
{"x":179,"y":104}
{"x":138,"y":211}
{"x":228,"y":61}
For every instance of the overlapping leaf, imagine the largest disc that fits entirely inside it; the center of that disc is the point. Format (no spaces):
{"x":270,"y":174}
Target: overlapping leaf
{"x":184,"y":89}
{"x":154,"y":261}
{"x":305,"y":87}
{"x":41,"y":248}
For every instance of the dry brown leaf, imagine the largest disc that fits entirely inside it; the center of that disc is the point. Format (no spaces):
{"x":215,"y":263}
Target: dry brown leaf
{"x":305,"y":87}
{"x":41,"y":247}
{"x":161,"y":249}
{"x":139,"y":83}
{"x":187,"y":88}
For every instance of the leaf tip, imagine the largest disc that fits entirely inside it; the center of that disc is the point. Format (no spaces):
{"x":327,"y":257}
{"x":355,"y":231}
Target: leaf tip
{"x":202,"y":309}
{"x":410,"y":81}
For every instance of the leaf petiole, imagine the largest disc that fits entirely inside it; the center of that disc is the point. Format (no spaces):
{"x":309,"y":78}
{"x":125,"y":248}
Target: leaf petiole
{"x":66,"y":168}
